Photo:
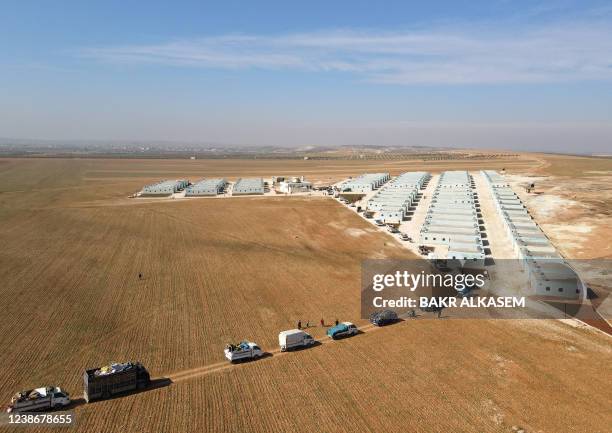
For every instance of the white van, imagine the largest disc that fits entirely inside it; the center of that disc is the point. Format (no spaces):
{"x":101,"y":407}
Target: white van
{"x":293,"y":338}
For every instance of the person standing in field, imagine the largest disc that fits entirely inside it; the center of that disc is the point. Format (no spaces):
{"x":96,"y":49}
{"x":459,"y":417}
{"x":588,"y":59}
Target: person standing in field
{"x":322,"y":323}
{"x":140,"y":276}
{"x":336,"y":322}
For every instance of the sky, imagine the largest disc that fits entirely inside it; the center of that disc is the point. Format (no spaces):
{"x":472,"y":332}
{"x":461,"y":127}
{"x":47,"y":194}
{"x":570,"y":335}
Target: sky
{"x":522,"y":75}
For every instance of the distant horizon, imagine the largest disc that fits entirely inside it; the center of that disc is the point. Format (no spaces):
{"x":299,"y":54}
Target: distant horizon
{"x":153,"y":146}
{"x":520,"y":75}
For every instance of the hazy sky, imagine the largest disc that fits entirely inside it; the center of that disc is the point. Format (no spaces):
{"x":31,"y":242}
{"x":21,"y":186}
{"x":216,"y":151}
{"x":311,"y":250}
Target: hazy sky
{"x":510,"y":74}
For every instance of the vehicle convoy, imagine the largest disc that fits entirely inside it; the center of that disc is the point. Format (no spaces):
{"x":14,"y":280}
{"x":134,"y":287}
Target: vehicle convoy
{"x":344,"y":329}
{"x":293,"y":339}
{"x":38,"y":399}
{"x":116,"y":378}
{"x":382,"y":318}
{"x":242,"y":351}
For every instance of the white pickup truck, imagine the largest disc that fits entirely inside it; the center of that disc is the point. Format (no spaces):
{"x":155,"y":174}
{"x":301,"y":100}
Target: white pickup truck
{"x":48,"y":397}
{"x":242,"y":351}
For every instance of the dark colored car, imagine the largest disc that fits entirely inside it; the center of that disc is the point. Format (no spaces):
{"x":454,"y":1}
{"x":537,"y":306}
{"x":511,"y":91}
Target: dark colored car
{"x":382,"y":318}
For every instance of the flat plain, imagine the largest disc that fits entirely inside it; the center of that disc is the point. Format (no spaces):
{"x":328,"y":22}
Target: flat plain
{"x":220,"y":270}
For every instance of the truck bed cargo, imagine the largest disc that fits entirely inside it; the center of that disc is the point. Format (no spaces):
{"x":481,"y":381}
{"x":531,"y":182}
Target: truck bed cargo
{"x":39,"y":399}
{"x":104,"y":382}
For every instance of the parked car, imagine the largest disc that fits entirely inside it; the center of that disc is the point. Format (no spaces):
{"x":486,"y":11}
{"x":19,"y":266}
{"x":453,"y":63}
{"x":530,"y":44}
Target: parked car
{"x":405,"y":237}
{"x":392,"y":229}
{"x":39,"y":399}
{"x":242,"y":351}
{"x":382,"y":318}
{"x":293,"y":339}
{"x":425,"y":250}
{"x":379,"y":223}
{"x":344,"y":329}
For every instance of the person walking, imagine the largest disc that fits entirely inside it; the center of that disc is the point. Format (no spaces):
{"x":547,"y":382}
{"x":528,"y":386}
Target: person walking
{"x":336,"y":322}
{"x":322,"y":323}
{"x":299,"y":324}
{"x":140,"y":275}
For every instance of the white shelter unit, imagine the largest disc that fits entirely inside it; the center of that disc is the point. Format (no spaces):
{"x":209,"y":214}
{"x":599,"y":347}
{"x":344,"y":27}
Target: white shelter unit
{"x":248,"y":186}
{"x":555,"y":278}
{"x":472,"y":254}
{"x":445,"y":237}
{"x":549,"y":274}
{"x":206,"y":187}
{"x":165,"y":187}
{"x":295,"y":185}
{"x":365,"y":183}
{"x":463,"y":223}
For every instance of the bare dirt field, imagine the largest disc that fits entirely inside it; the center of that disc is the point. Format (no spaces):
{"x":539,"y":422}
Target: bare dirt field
{"x":221,"y":270}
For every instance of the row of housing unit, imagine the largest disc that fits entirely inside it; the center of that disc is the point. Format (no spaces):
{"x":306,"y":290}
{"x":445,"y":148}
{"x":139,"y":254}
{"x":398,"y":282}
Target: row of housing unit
{"x":216,"y":186}
{"x":391,"y":204}
{"x":204,"y":187}
{"x":549,"y":274}
{"x":452,"y":219}
{"x":365,"y":183}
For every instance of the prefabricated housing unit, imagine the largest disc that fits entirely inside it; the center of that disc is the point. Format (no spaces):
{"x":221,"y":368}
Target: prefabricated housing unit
{"x":165,"y":187}
{"x":365,"y":183}
{"x":206,"y":187}
{"x":248,"y":186}
{"x":555,"y":278}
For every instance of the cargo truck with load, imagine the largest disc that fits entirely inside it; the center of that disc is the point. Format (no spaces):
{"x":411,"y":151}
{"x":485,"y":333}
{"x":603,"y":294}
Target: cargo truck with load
{"x":242,"y":351}
{"x":39,"y":399}
{"x":116,"y":378}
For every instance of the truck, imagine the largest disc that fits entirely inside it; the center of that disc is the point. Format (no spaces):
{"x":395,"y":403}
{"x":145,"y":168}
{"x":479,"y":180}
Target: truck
{"x":242,"y":351}
{"x":293,"y":339}
{"x":39,"y":399}
{"x":344,"y":329}
{"x":117,"y":378}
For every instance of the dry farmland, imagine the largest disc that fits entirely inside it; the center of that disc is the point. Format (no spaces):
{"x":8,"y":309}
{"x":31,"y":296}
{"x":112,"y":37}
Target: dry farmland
{"x":225,"y":269}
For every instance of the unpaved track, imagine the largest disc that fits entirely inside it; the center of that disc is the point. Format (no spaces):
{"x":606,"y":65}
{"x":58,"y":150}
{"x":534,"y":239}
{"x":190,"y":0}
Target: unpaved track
{"x":192,"y":373}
